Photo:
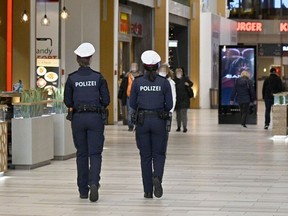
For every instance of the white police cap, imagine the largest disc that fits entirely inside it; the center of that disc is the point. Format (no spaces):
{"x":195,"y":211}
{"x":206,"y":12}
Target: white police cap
{"x":85,"y":50}
{"x":150,"y":58}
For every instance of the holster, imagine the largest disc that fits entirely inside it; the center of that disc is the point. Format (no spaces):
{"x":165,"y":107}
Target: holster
{"x":168,"y":117}
{"x":137,"y":118}
{"x":105,"y":115}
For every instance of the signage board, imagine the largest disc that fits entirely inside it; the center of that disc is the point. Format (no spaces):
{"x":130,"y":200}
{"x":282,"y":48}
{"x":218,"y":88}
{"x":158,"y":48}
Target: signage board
{"x":232,"y":61}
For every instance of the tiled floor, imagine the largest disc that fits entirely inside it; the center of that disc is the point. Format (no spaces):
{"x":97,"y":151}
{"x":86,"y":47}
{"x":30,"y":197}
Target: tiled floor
{"x":213,"y":170}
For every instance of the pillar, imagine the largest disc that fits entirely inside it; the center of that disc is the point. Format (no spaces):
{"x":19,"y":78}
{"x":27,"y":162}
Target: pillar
{"x":195,"y":50}
{"x":221,"y":7}
{"x":109,"y":52}
{"x":161,"y":31}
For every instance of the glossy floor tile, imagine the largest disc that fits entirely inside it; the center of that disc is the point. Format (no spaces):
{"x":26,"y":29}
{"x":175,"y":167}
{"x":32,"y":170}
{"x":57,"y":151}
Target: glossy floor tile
{"x":213,"y":170}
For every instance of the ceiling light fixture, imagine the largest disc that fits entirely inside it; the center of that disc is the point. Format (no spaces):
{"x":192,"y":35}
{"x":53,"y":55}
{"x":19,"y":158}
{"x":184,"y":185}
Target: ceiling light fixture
{"x":64,"y":12}
{"x":45,"y":21}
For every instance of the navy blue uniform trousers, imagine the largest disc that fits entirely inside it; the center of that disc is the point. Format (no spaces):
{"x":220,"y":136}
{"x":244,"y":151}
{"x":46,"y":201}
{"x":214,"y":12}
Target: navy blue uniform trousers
{"x":88,"y":136}
{"x":151,"y":139}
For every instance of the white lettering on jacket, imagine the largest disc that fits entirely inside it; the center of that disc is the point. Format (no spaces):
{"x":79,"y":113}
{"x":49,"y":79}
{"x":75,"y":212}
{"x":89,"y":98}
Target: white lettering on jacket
{"x":85,"y":83}
{"x":150,"y":88}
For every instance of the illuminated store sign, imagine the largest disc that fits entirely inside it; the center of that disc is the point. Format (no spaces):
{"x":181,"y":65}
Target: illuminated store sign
{"x":258,"y":26}
{"x":124,"y":25}
{"x":249,"y":26}
{"x":284,"y":27}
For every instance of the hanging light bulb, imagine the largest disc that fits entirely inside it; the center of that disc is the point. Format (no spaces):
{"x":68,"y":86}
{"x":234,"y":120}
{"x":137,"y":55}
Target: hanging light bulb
{"x":64,"y":13}
{"x":45,"y":21}
{"x":24,"y":17}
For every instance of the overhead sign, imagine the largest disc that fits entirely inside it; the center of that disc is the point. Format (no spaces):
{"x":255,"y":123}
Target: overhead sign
{"x":283,"y":27}
{"x":254,"y":26}
{"x":250,"y":26}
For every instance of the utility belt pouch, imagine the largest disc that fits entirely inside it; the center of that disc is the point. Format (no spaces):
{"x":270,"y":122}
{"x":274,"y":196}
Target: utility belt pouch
{"x":164,"y":115}
{"x":87,"y":108}
{"x":140,"y":119}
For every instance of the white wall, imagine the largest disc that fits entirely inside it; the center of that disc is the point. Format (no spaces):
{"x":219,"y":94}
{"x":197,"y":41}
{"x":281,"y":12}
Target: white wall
{"x":214,"y":30}
{"x":83,"y":25}
{"x":205,"y":58}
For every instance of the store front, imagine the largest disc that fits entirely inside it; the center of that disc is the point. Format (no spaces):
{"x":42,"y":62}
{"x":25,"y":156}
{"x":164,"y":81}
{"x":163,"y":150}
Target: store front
{"x":270,"y":37}
{"x":178,"y":46}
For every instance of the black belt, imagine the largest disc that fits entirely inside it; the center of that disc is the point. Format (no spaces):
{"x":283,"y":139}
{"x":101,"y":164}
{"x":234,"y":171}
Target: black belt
{"x":150,"y":112}
{"x":87,"y":108}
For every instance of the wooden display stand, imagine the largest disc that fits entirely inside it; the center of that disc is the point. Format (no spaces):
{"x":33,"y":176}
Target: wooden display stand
{"x":3,"y":147}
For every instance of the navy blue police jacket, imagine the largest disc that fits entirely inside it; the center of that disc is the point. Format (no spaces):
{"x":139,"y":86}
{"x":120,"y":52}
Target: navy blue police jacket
{"x":86,"y":86}
{"x":148,"y":95}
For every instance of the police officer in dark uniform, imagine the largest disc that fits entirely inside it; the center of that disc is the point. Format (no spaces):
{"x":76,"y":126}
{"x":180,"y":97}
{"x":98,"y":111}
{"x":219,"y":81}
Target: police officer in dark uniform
{"x":86,"y":95}
{"x":151,"y":98}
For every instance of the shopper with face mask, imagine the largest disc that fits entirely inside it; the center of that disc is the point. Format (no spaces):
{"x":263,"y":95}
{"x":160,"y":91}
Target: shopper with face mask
{"x":182,"y":98}
{"x":165,"y":71}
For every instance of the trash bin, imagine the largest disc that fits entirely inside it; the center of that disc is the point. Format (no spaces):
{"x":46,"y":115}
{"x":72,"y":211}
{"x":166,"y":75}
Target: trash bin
{"x":213,"y":98}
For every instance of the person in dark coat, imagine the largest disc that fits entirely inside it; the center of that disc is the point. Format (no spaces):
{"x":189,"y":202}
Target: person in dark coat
{"x":245,"y":93}
{"x":182,"y":98}
{"x":272,"y":85}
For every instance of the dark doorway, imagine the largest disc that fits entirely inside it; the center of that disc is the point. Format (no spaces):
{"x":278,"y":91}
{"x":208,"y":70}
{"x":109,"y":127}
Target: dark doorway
{"x":178,"y":48}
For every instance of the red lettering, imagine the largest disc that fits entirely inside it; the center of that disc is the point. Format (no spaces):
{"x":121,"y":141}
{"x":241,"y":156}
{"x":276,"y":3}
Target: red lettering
{"x":259,"y":27}
{"x":283,"y":27}
{"x":249,"y":26}
{"x":243,"y":26}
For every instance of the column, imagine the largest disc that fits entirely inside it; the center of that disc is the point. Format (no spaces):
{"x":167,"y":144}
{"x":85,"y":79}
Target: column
{"x":221,"y":7}
{"x":161,"y":29}
{"x":195,"y":51}
{"x":109,"y":51}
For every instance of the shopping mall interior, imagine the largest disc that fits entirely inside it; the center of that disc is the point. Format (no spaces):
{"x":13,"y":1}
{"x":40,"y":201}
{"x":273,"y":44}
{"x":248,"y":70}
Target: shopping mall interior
{"x":216,"y":168}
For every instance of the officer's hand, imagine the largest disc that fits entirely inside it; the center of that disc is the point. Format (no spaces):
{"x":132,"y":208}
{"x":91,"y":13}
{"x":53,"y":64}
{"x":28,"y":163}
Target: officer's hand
{"x":70,"y":114}
{"x":231,"y":102}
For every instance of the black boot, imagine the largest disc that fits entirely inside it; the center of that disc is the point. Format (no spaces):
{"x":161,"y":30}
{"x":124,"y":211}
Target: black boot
{"x":148,"y":195}
{"x":94,"y":195}
{"x":178,"y":129}
{"x":158,"y":190}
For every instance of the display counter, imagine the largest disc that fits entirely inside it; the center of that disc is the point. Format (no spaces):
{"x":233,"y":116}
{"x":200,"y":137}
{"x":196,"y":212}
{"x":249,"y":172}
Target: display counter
{"x":280,"y":114}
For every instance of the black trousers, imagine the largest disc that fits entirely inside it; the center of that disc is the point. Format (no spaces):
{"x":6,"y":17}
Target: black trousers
{"x":244,"y":110}
{"x":268,"y":106}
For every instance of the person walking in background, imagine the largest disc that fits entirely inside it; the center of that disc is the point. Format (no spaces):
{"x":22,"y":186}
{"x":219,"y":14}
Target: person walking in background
{"x":86,"y":95}
{"x":151,"y":98}
{"x":244,"y":91}
{"x":165,"y":71}
{"x":125,"y":90}
{"x":272,"y":85}
{"x":182,"y":98}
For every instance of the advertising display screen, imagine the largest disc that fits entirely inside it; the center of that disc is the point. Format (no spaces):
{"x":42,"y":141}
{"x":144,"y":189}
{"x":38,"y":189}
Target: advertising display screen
{"x":232,"y":61}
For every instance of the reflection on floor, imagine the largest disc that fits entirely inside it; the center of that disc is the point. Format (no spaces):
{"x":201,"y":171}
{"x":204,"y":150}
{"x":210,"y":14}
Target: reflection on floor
{"x":213,"y":170}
